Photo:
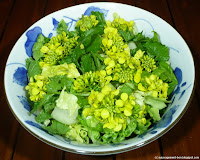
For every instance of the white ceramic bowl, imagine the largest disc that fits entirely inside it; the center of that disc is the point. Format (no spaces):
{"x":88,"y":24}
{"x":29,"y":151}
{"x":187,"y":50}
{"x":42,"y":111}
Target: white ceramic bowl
{"x":180,"y":58}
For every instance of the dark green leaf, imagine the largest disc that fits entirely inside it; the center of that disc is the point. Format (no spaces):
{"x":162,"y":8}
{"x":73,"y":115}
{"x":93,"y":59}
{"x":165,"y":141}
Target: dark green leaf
{"x":95,"y":46}
{"x":87,"y":63}
{"x":57,"y":128}
{"x":42,"y":117}
{"x":126,"y":35}
{"x":99,"y":17}
{"x":62,"y":27}
{"x":156,"y":50}
{"x":82,"y":101}
{"x":44,"y":100}
{"x":33,"y":67}
{"x":57,"y":83}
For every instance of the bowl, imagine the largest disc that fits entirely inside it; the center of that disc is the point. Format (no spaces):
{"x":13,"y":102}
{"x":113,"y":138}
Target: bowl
{"x":15,"y":78}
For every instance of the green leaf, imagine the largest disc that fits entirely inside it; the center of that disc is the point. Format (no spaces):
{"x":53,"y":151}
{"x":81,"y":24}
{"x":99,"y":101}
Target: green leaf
{"x":67,"y":60}
{"x":44,"y":100}
{"x":87,"y":63}
{"x":50,"y":106}
{"x":42,"y":117}
{"x":126,"y":35}
{"x":57,"y":83}
{"x":41,"y":40}
{"x":165,"y":72}
{"x":158,"y":51}
{"x":57,"y":128}
{"x":90,"y":35}
{"x":99,"y":17}
{"x":82,"y":101}
{"x":62,"y":27}
{"x":33,"y":67}
{"x":95,"y":46}
{"x":127,"y":88}
{"x":155,"y":37}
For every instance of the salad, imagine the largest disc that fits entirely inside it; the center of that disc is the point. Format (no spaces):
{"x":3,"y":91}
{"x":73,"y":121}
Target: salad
{"x":101,"y":83}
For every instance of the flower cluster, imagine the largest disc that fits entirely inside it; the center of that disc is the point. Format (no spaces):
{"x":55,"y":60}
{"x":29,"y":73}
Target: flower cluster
{"x":87,"y":22}
{"x":110,"y":107}
{"x":36,"y":87}
{"x":120,"y":23}
{"x":140,"y":114}
{"x":118,"y":63}
{"x":57,"y":48}
{"x":148,"y":63}
{"x":156,"y":85}
{"x":91,"y":81}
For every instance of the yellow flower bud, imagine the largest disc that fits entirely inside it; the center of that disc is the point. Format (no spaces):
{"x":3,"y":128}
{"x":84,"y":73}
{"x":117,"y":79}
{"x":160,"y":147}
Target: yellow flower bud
{"x":109,"y":125}
{"x":106,"y":89}
{"x":44,"y":49}
{"x":124,"y":96}
{"x":105,"y":114}
{"x":128,"y":105}
{"x":152,"y":77}
{"x":109,"y":71}
{"x":95,"y":105}
{"x":119,"y":103}
{"x":155,"y":94}
{"x":39,"y":84}
{"x":115,"y":92}
{"x":121,"y":60}
{"x":100,"y":96}
{"x":35,"y":91}
{"x":103,"y":73}
{"x":141,"y":87}
{"x":86,"y":112}
{"x":127,"y":112}
{"x":82,"y":46}
{"x":111,"y":63}
{"x":143,"y":121}
{"x":118,"y":128}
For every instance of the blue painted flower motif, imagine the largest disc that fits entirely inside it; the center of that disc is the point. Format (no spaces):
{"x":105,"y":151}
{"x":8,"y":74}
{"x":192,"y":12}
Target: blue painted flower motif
{"x":31,"y":39}
{"x":179,"y":76}
{"x":20,"y":76}
{"x":55,"y":23}
{"x":95,"y":9}
{"x":24,"y":102}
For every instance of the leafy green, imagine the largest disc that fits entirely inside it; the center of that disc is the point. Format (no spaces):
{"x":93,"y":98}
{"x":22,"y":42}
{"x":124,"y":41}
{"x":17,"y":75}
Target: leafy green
{"x":41,"y":40}
{"x":127,"y":88}
{"x":66,"y":110}
{"x":141,"y":128}
{"x":79,"y":133}
{"x":126,"y":35}
{"x":95,"y":46}
{"x":47,"y":98}
{"x":42,"y":117}
{"x":157,"y":51}
{"x":91,"y":122}
{"x":62,"y":27}
{"x":94,"y":135}
{"x":90,"y":35}
{"x":152,"y":46}
{"x":87,"y":63}
{"x":57,"y":83}
{"x":99,"y":17}
{"x":165,"y":72}
{"x":82,"y":101}
{"x":57,"y":128}
{"x":33,"y":67}
{"x":155,"y":37}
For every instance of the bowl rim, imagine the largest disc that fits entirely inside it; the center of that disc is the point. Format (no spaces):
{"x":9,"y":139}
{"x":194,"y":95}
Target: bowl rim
{"x":116,"y":151}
